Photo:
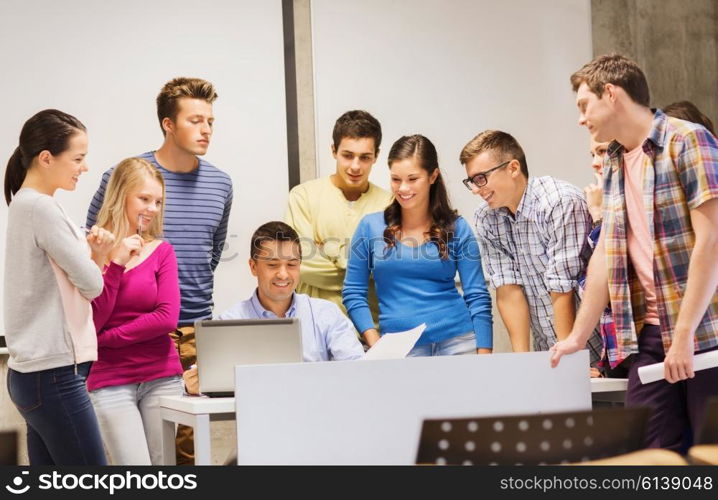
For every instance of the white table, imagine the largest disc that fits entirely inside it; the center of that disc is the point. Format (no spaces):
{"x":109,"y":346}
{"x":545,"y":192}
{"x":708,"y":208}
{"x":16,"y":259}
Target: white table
{"x":196,"y":412}
{"x":199,"y":411}
{"x":612,"y":390}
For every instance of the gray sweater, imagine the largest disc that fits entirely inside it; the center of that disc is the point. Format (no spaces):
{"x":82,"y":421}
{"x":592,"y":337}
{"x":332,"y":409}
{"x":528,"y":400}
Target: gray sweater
{"x":36,"y":331}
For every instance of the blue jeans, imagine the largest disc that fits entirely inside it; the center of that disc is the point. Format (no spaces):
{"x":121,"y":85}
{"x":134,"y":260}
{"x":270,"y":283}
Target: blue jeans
{"x":61,"y":425}
{"x":130,"y":421}
{"x":461,"y":344}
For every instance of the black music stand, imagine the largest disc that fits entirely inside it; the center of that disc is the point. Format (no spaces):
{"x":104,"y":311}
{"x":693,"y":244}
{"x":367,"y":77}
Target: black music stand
{"x":550,"y":438}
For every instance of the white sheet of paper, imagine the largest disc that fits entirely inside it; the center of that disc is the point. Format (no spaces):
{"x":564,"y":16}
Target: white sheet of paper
{"x":395,"y":345}
{"x":655,"y":372}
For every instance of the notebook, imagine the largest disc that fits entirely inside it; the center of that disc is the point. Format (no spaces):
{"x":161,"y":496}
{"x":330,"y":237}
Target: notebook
{"x":223,"y":344}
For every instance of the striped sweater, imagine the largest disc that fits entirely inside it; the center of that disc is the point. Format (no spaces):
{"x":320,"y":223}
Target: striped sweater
{"x":197,"y":206}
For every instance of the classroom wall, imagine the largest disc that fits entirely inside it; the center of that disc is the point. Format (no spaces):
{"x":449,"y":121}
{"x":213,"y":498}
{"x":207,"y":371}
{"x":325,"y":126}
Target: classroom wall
{"x":305,"y":89}
{"x":105,"y":62}
{"x":449,"y":70}
{"x":674,"y":41}
{"x":683,"y":33}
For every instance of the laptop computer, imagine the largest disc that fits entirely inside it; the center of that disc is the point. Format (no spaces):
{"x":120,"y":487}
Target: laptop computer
{"x":223,"y":344}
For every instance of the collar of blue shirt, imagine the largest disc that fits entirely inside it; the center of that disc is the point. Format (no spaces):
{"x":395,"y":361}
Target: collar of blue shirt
{"x":261,"y":312}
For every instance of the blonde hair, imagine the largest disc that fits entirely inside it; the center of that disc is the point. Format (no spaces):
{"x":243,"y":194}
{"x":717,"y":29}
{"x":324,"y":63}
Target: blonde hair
{"x":127,"y":177}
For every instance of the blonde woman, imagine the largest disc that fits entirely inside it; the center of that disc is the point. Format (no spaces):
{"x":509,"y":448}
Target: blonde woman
{"x":137,"y":361}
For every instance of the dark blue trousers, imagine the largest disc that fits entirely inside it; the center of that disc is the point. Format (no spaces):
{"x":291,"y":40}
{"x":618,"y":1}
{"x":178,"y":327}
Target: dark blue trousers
{"x":62,"y":428}
{"x":677,"y":408}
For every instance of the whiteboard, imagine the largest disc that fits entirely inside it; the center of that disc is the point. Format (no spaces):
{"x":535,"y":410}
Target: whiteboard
{"x":105,"y":63}
{"x":449,"y":69}
{"x":370,"y":412}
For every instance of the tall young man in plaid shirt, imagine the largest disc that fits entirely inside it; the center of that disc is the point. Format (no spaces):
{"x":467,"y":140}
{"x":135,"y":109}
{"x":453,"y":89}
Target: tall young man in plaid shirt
{"x":655,"y":259}
{"x":533,"y":234}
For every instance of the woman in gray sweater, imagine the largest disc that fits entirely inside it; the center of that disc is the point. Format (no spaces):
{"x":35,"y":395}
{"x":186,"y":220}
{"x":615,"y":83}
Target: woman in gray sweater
{"x":50,"y":279}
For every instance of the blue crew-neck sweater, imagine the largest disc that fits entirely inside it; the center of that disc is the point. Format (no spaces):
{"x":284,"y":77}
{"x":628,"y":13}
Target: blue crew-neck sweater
{"x":414,"y":285}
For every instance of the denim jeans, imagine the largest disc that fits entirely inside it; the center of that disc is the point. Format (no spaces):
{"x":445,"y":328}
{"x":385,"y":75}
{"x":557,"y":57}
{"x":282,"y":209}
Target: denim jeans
{"x":460,"y":344}
{"x":129,"y":417}
{"x":61,"y":425}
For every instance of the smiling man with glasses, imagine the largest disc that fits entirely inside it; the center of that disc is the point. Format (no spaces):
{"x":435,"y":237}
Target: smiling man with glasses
{"x":482,"y":178}
{"x":533,"y":236}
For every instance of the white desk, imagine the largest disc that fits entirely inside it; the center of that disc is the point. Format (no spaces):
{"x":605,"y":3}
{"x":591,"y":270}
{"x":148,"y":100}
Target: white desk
{"x":198,"y":412}
{"x":612,"y":390}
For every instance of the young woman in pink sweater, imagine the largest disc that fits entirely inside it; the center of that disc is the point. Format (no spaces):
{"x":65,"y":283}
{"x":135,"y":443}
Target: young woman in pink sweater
{"x":139,"y":305}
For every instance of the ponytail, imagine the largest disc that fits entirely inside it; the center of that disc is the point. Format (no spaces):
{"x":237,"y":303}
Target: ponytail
{"x":14,"y":174}
{"x":49,"y":130}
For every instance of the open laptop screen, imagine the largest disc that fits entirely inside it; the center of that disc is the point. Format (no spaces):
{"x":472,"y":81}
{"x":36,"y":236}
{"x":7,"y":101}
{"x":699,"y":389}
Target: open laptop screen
{"x":223,"y":344}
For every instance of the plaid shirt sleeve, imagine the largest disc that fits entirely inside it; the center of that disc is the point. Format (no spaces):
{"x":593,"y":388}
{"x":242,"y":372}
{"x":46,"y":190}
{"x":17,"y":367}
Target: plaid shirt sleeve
{"x":569,"y":227}
{"x":698,"y":167}
{"x":499,"y":265}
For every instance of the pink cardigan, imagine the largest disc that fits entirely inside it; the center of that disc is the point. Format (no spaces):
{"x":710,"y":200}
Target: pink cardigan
{"x":133,"y":317}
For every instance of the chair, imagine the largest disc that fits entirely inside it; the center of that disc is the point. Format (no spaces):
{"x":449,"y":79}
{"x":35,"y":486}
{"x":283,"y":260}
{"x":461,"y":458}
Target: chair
{"x":8,"y":448}
{"x":703,"y":454}
{"x":653,"y":456}
{"x":705,"y":450}
{"x":708,"y":431}
{"x":541,"y":439}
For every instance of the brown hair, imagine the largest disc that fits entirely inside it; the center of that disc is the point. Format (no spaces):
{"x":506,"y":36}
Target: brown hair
{"x":686,"y":110}
{"x":128,"y":176}
{"x":176,"y":89}
{"x":502,"y":145}
{"x":273,"y":231}
{"x":357,"y":124}
{"x":617,"y":70}
{"x":443,"y":217}
{"x":49,"y":130}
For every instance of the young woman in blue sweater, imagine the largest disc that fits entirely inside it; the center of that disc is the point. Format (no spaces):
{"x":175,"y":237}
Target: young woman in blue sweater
{"x":413,"y":251}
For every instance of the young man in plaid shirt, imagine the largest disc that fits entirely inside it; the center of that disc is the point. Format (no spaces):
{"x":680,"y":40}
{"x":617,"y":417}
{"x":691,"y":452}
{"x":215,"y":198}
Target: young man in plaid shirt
{"x":533,"y":233}
{"x":655,"y":259}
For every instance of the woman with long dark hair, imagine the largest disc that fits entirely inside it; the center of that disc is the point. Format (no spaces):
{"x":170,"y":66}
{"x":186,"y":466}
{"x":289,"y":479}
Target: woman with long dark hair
{"x":50,"y":279}
{"x":413,"y":251}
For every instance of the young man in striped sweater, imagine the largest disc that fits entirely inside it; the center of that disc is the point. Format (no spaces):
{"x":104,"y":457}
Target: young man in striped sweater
{"x":198,"y":199}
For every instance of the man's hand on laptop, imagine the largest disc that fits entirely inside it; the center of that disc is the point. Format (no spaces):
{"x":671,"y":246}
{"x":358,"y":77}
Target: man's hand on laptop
{"x":191,"y":380}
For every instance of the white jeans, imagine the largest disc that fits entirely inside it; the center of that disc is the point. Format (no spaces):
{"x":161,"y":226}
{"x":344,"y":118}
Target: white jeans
{"x":129,"y":417}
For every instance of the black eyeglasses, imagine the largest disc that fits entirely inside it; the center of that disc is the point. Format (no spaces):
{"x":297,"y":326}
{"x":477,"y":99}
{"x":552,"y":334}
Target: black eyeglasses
{"x":482,"y":178}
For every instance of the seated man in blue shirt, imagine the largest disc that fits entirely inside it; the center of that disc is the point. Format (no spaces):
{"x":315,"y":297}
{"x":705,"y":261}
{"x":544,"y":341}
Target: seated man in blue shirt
{"x":275,"y":258}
